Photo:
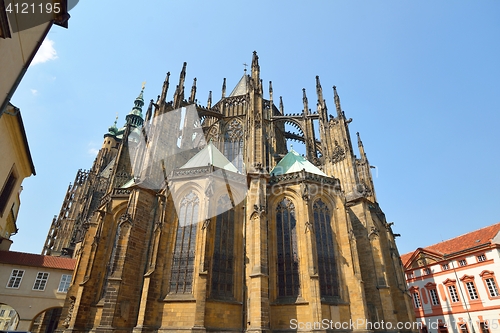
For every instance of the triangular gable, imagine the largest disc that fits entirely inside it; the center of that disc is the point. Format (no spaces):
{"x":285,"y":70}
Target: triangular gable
{"x":210,"y":155}
{"x":241,"y":87}
{"x":293,"y":162}
{"x":420,"y":257}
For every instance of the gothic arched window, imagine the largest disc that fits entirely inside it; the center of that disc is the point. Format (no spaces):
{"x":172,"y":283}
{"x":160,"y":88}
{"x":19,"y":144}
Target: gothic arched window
{"x":222,"y":263}
{"x":327,"y":264}
{"x":181,"y":280}
{"x":233,"y":144}
{"x":288,"y":259}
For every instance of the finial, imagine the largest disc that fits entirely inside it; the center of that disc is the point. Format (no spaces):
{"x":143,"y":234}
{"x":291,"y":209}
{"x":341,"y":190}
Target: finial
{"x":337,"y":102}
{"x":209,"y":102}
{"x":193,"y":92}
{"x":291,"y":146}
{"x":143,"y":85}
{"x":246,"y":65}
{"x":224,"y":88}
{"x":304,"y":100}
{"x":116,"y":119}
{"x":282,"y":108}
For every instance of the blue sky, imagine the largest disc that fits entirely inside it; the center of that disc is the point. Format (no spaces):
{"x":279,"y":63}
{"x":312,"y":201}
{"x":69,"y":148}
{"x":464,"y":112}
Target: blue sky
{"x":419,"y":78}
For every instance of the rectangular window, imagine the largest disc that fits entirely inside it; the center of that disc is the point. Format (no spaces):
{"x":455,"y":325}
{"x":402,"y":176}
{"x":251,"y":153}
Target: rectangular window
{"x":472,"y":290}
{"x":492,"y":287}
{"x":463,"y":328}
{"x":64,"y":284}
{"x":434,"y":297}
{"x":15,"y":278}
{"x":41,"y":281}
{"x":462,"y":263}
{"x":481,"y":258}
{"x":453,"y":293}
{"x":427,"y":271}
{"x":445,"y":267}
{"x":416,"y":300}
{"x":409,"y":275}
{"x":7,"y":191}
{"x":2,"y":313}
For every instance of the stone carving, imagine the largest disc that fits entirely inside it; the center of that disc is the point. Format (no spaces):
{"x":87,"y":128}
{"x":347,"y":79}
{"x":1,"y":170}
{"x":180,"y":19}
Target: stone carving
{"x":70,"y":311}
{"x":338,"y":153}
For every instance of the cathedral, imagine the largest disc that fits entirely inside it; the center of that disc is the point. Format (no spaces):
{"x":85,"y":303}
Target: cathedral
{"x":199,"y":219}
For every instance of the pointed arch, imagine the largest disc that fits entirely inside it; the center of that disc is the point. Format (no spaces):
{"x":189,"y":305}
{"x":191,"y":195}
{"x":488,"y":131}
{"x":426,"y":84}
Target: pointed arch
{"x":325,"y":248}
{"x":233,"y":143}
{"x":182,"y":271}
{"x":223,"y":256}
{"x":287,"y":250}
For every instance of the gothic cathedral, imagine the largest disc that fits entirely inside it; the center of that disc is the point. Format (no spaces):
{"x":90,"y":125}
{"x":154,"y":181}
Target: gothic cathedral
{"x":199,"y":219}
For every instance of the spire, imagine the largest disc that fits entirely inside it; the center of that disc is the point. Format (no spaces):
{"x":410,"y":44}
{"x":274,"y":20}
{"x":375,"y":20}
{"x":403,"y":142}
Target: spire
{"x":304,"y":100}
{"x":164,"y":89}
{"x":193,"y":92}
{"x":134,"y":117}
{"x":209,"y":102}
{"x":255,"y":68}
{"x":319,"y":92}
{"x":112,"y":130}
{"x":150,"y":110}
{"x":271,"y":93}
{"x":337,"y":101}
{"x":224,"y":88}
{"x":179,"y":94}
{"x":282,"y":108}
{"x":361,"y":148}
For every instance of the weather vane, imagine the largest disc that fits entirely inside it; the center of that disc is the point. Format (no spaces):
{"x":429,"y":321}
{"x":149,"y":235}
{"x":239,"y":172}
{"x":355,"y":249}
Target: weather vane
{"x":245,"y":64}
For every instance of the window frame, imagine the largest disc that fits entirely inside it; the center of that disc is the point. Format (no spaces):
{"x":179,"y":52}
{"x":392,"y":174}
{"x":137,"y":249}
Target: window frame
{"x":490,"y":275}
{"x":41,"y":280}
{"x":66,"y":283}
{"x":14,"y":280}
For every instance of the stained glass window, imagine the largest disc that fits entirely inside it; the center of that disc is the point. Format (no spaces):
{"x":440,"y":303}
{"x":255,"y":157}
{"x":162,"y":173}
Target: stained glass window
{"x":233,"y":144}
{"x":181,"y":280}
{"x":288,"y":259}
{"x":327,"y":265}
{"x":223,"y":262}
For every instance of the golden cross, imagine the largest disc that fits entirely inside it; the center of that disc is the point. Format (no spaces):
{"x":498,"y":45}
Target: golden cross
{"x":143,"y":85}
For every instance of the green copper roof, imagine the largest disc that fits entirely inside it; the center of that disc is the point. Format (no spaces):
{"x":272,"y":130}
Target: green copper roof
{"x":293,"y":162}
{"x":210,"y":155}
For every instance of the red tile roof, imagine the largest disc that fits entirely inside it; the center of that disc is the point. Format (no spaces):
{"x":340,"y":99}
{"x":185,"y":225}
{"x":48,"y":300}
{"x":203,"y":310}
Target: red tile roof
{"x":36,"y":260}
{"x":472,"y":239}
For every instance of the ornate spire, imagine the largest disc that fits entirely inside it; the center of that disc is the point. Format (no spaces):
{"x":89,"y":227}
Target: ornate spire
{"x":112,"y":130}
{"x":304,"y":100}
{"x":361,"y":147}
{"x":193,"y":92}
{"x":179,"y":93}
{"x":255,"y":68}
{"x":134,"y":117}
{"x":282,"y":108}
{"x":209,"y":102}
{"x":337,"y":101}
{"x":224,"y":88}
{"x":319,"y":92}
{"x":164,"y":89}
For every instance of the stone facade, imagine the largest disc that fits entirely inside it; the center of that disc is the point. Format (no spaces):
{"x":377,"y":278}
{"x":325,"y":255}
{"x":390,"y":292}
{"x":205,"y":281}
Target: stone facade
{"x":258,"y":240}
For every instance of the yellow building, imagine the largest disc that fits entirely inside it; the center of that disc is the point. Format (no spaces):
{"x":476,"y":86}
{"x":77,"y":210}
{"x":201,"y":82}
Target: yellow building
{"x":15,"y":165}
{"x":199,"y":219}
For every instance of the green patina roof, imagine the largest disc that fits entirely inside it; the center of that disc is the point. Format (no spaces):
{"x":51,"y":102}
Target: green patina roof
{"x":210,"y":155}
{"x":293,"y":162}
